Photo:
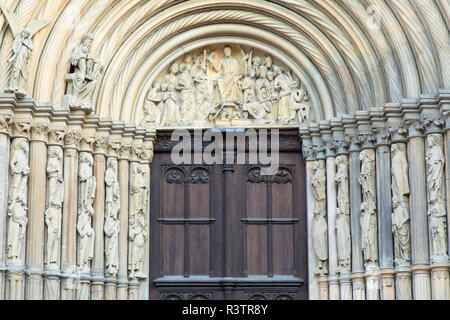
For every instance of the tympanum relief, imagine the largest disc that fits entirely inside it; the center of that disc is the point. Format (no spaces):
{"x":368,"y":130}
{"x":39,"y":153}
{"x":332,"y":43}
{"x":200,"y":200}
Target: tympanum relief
{"x":55,"y":198}
{"x":368,"y":207}
{"x":343,"y":215}
{"x":319,"y":222}
{"x":17,"y":203}
{"x":86,"y":185}
{"x":436,"y":199}
{"x":112,"y":223}
{"x":225,"y":85}
{"x":400,"y":205}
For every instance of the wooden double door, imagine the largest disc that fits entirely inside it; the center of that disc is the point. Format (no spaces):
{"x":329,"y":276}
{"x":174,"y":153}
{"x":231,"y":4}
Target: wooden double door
{"x":226,"y":232}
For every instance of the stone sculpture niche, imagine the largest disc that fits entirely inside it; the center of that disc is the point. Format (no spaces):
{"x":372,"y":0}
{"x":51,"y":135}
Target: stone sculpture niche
{"x":228,"y":86}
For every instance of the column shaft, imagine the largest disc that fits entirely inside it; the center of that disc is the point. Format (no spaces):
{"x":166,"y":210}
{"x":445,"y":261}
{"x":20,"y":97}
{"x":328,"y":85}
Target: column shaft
{"x":4,"y":160}
{"x":314,"y":292}
{"x":419,"y":220}
{"x":334,"y":291}
{"x":98,"y":264}
{"x":124,"y":169}
{"x":35,"y":230}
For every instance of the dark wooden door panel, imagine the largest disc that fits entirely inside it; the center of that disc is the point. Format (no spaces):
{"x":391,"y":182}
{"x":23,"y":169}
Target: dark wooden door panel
{"x":241,"y":239}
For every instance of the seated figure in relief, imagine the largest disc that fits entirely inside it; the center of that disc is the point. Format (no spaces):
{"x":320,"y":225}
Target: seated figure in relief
{"x":230,"y":75}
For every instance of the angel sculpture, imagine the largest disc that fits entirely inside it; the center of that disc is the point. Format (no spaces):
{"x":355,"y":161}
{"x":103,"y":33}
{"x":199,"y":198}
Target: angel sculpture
{"x":22,"y":47}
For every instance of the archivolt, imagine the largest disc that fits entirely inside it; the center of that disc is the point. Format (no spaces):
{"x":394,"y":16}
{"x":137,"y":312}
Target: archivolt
{"x":353,"y":63}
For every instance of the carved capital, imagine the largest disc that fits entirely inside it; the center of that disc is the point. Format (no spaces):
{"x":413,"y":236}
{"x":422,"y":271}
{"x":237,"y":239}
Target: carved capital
{"x":87,"y":142}
{"x":433,"y":125}
{"x":382,"y":136}
{"x":136,"y":151}
{"x":39,"y":132}
{"x":56,"y":137}
{"x":125,"y":151}
{"x":308,"y":153}
{"x":147,"y":152}
{"x":354,"y":143}
{"x":415,"y":128}
{"x":319,"y":151}
{"x":330,"y":148}
{"x":101,"y":144}
{"x":341,"y":146}
{"x":114,"y":147}
{"x":21,"y":128}
{"x":367,"y":141}
{"x":72,"y":139}
{"x":398,"y":134}
{"x":6,"y":121}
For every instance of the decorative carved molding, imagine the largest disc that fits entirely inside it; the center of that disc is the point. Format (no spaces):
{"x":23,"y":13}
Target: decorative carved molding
{"x":283,"y":176}
{"x":186,"y":296}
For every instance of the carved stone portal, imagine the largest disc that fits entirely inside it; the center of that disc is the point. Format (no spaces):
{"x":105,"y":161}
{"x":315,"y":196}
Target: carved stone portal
{"x":226,"y":85}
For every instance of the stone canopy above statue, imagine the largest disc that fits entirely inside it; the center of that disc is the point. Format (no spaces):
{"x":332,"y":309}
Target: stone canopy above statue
{"x":226,"y":85}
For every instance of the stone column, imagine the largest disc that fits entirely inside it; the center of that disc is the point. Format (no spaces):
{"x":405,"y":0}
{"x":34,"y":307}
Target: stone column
{"x":147,"y":158}
{"x":5,"y":127}
{"x":53,"y":219}
{"x":308,"y":155}
{"x":86,"y":235}
{"x":98,"y":220}
{"x":400,"y":215}
{"x":36,"y":209}
{"x":418,"y":208}
{"x":437,"y":212}
{"x":355,"y":209}
{"x":333,"y":278}
{"x":69,"y":215}
{"x":342,"y":222}
{"x":17,"y":210}
{"x":444,"y":105}
{"x":124,"y":175}
{"x":384,"y":200}
{"x":112,"y":223}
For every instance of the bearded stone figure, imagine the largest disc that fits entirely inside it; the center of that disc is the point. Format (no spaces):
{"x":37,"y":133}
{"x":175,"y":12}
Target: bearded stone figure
{"x":400,"y":205}
{"x":138,"y":227}
{"x":17,"y":209}
{"x":55,"y":198}
{"x":112,"y":223}
{"x":83,"y":79}
{"x":368,"y":207}
{"x":436,"y":203}
{"x":343,"y":215}
{"x":319,"y":222}
{"x":87,"y":185}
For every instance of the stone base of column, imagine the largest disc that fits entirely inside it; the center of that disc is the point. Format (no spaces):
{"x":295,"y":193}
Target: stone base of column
{"x":323,"y":287}
{"x":122,"y":289}
{"x":421,"y":282}
{"x":359,"y":288}
{"x":69,"y":284}
{"x":133,"y":289}
{"x":111,"y":288}
{"x":372,"y":277}
{"x":440,"y":283}
{"x":97,"y":286}
{"x":403,"y":283}
{"x":84,"y":287}
{"x":15,"y":283}
{"x":345,"y":282}
{"x":333,"y":283}
{"x":52,"y":285}
{"x":387,"y":284}
{"x":34,"y":287}
{"x":2,"y":282}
